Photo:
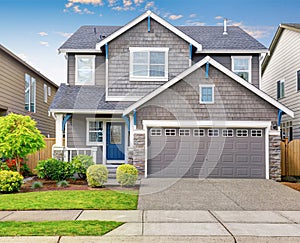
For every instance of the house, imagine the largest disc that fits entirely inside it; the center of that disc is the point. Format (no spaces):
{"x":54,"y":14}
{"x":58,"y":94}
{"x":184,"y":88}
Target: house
{"x":24,"y":90}
{"x":281,"y":75}
{"x":173,"y":101}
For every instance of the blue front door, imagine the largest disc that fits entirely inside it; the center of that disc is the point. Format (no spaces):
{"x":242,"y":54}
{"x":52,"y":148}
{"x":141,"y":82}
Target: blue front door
{"x":115,"y":141}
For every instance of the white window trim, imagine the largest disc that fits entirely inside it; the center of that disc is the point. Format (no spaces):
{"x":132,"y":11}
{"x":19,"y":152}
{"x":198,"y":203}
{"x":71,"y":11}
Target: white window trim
{"x":49,"y":91}
{"x":256,"y":131}
{"x":184,"y":132}
{"x":226,"y":135}
{"x":93,"y":72}
{"x":250,"y":65}
{"x":240,"y":133}
{"x":154,"y":132}
{"x":213,"y":132}
{"x":281,"y":81}
{"x":149,"y":49}
{"x":45,"y":93}
{"x":198,"y":131}
{"x":213,"y":93}
{"x":88,"y":143}
{"x":170,"y":135}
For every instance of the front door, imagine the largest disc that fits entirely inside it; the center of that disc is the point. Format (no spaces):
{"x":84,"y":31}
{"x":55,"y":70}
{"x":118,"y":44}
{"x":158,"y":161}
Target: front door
{"x":115,"y":141}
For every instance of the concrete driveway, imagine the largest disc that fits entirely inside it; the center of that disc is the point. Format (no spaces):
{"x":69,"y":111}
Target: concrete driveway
{"x":216,"y":194}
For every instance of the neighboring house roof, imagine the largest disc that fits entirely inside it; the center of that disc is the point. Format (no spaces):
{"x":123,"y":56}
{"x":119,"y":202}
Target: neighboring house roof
{"x":84,"y":99}
{"x":8,"y":52}
{"x":222,"y":69}
{"x":211,"y":38}
{"x":289,"y":26}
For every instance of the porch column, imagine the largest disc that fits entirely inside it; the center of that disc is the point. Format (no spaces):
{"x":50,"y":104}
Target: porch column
{"x":58,"y":130}
{"x":131,"y":121}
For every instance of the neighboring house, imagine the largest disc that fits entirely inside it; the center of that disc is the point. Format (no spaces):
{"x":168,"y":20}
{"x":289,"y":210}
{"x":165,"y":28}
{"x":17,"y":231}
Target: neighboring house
{"x":281,"y":75}
{"x":174,"y":101}
{"x":26,"y":91}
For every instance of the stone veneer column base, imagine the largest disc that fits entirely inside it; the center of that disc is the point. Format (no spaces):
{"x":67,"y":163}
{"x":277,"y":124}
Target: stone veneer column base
{"x":274,"y":156}
{"x":136,"y":154}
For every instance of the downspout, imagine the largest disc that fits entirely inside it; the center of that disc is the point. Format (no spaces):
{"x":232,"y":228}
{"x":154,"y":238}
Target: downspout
{"x":207,"y":70}
{"x":191,"y":55}
{"x":67,"y":117}
{"x":280,"y":113}
{"x":106,"y":70}
{"x":134,"y":119}
{"x":149,"y":24}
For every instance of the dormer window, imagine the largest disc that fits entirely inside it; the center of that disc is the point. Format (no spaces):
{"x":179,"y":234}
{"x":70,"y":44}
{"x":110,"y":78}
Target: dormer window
{"x":241,"y":65}
{"x":85,"y":70}
{"x":148,"y":64}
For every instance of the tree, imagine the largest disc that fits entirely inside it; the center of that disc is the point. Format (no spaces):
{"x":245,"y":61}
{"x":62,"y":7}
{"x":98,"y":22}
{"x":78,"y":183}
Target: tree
{"x":19,"y":137}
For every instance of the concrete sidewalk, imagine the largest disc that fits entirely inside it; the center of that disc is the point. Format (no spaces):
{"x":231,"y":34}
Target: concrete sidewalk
{"x":172,"y":226}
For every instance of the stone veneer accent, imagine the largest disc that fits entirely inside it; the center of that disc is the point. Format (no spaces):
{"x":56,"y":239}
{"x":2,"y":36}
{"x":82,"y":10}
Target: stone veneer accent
{"x":274,"y":156}
{"x":136,"y":154}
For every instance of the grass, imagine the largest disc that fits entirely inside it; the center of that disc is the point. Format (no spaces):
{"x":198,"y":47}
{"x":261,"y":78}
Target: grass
{"x":57,"y":228}
{"x":51,"y":200}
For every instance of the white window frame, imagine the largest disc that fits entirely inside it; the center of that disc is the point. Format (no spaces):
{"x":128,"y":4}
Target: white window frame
{"x":45,"y":93}
{"x":256,"y":133}
{"x":32,"y":92}
{"x":77,"y":70}
{"x":184,"y":132}
{"x":233,"y":58}
{"x":155,"y":132}
{"x":88,"y":142}
{"x":201,"y":132}
{"x":281,"y":91}
{"x":242,"y":133}
{"x":215,"y":132}
{"x":49,"y":91}
{"x":227,"y":133}
{"x":170,"y":132}
{"x":213,"y":93}
{"x":148,"y":50}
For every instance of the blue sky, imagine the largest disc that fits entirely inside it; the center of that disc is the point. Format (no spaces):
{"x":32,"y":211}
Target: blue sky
{"x":35,"y":29}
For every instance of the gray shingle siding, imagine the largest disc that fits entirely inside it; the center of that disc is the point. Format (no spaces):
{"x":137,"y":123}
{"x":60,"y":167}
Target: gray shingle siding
{"x":138,"y":36}
{"x":232,"y":101}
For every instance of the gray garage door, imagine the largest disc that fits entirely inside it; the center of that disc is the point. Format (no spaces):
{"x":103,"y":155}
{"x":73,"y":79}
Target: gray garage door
{"x":202,"y":152}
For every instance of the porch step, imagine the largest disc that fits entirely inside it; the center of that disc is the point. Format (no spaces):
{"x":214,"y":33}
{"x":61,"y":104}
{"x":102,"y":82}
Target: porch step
{"x":112,"y":168}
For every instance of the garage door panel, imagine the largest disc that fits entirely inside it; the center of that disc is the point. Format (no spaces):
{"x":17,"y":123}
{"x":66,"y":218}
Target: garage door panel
{"x":216,"y":157}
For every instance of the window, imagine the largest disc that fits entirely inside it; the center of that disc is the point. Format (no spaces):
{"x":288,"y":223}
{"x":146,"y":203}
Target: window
{"x":30,"y":89}
{"x":242,"y":133}
{"x":206,"y":94}
{"x":287,"y":130}
{"x":256,"y":133}
{"x":155,"y":132}
{"x":170,"y":132}
{"x":49,"y":91}
{"x":184,"y":132}
{"x":148,"y":64}
{"x":213,"y":132}
{"x":280,"y":89}
{"x":45,"y":93}
{"x":227,"y":133}
{"x":85,"y":70}
{"x":95,"y":132}
{"x":298,"y":80}
{"x":242,"y":67}
{"x":199,"y":133}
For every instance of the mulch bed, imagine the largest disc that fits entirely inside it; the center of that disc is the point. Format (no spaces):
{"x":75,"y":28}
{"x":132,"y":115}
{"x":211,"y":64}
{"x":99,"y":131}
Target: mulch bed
{"x":295,"y":186}
{"x":78,"y":184}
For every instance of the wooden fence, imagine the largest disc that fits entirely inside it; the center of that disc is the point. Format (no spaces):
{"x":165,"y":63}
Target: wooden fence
{"x":290,"y":158}
{"x":42,"y":154}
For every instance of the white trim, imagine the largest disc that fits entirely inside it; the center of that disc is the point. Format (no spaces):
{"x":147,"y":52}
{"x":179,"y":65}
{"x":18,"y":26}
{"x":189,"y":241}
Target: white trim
{"x":122,"y":98}
{"x":233,"y":58}
{"x":104,"y":147}
{"x":93,"y":57}
{"x":156,"y":18}
{"x":106,"y":79}
{"x":79,"y":51}
{"x":45,"y":93}
{"x":148,"y":50}
{"x":222,"y":69}
{"x":213,"y":93}
{"x":228,"y":51}
{"x":79,"y":111}
{"x":88,"y":143}
{"x":267,"y":151}
{"x":274,"y":133}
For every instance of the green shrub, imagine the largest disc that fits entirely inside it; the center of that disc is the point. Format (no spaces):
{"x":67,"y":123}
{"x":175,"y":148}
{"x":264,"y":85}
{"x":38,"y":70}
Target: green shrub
{"x":127,"y":175}
{"x":54,"y":169}
{"x":36,"y":185}
{"x":63,"y":183}
{"x":96,"y":175}
{"x":10,"y":181}
{"x":80,"y":164}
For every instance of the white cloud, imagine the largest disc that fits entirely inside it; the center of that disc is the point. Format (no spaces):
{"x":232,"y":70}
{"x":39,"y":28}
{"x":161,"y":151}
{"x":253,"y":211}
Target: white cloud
{"x":195,"y":23}
{"x":111,"y":2}
{"x":69,"y":5}
{"x":258,"y":32}
{"x":193,"y":15}
{"x":65,"y":34}
{"x":218,"y":17}
{"x":42,"y":33}
{"x":149,"y":5}
{"x":94,"y":2}
{"x":138,"y":2}
{"x":175,"y":17}
{"x":44,"y":43}
{"x":88,"y":11}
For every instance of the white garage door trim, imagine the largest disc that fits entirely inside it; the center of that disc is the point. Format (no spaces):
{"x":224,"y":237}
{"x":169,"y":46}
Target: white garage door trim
{"x":206,"y":124}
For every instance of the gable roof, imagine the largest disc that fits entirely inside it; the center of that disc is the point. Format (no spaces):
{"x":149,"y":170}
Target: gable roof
{"x":223,"y":69}
{"x":18,"y":59}
{"x":211,"y":38}
{"x":289,"y":26}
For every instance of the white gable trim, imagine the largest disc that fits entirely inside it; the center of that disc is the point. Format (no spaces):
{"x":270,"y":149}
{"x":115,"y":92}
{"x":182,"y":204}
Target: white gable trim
{"x":222,"y":69}
{"x":156,"y":18}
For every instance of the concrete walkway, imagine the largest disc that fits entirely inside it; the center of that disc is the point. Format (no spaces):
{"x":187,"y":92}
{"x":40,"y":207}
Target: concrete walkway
{"x":172,"y":226}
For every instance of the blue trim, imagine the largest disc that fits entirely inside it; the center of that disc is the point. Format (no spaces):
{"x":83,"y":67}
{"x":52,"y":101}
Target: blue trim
{"x":149,"y":24}
{"x":207,"y":70}
{"x":280,"y":113}
{"x":191,"y":51}
{"x":127,"y":122}
{"x":134,"y":117}
{"x":67,"y":117}
{"x":106,"y":50}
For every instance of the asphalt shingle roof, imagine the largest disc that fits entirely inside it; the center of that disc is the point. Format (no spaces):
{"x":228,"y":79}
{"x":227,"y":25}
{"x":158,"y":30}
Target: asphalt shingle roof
{"x":84,"y":98}
{"x":211,"y":37}
{"x":297,"y":26}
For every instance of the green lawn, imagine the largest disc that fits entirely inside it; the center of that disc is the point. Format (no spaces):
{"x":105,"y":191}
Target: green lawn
{"x":106,"y":199}
{"x":57,"y":228}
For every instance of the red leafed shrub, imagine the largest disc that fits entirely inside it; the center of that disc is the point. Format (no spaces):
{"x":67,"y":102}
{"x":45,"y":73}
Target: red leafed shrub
{"x":12,"y":165}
